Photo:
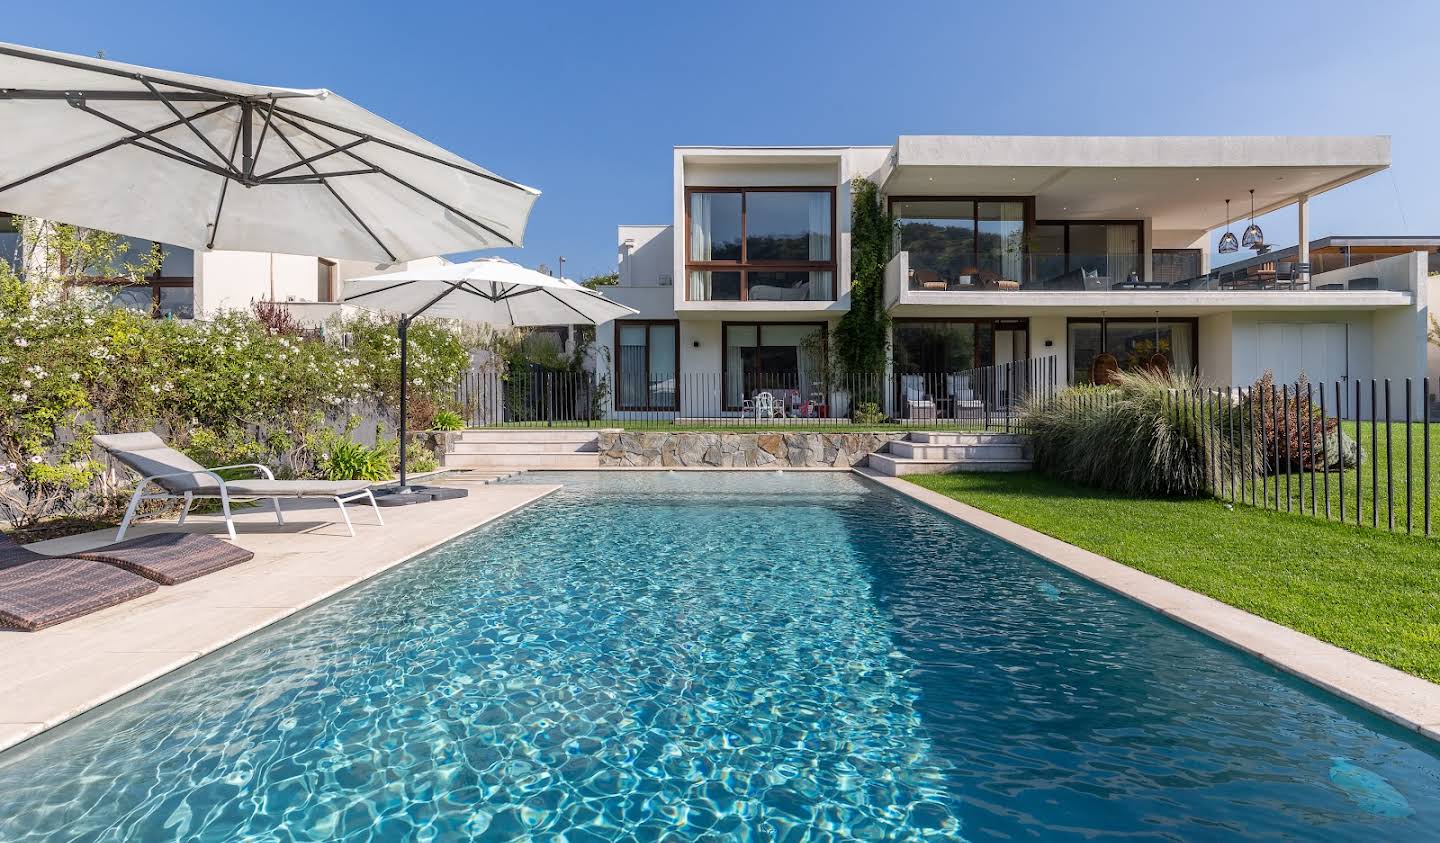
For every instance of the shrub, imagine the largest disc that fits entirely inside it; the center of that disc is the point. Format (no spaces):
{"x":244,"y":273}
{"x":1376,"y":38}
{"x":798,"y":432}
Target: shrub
{"x":868,"y":412}
{"x":1292,"y":434}
{"x":342,"y":458}
{"x":447,"y":420}
{"x":1137,"y":436}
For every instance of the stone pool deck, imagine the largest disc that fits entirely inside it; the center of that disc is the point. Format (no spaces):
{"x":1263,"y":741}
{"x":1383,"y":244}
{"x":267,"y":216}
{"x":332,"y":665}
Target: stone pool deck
{"x":1407,"y":700}
{"x":50,"y":676}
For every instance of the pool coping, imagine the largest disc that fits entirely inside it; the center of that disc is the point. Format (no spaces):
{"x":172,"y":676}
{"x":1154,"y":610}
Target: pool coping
{"x":1399,"y":697}
{"x":232,"y":620}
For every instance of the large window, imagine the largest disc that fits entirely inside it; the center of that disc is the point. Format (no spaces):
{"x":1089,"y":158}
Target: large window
{"x":1086,"y":255}
{"x":760,"y":244}
{"x":963,"y":244}
{"x":167,"y":293}
{"x":1171,"y":265}
{"x":324,"y":280}
{"x":782,"y":358}
{"x":647,"y":367}
{"x":1133,"y":343}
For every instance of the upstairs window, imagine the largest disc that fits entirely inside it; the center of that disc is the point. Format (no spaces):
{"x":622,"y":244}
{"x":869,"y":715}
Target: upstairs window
{"x":760,"y":244}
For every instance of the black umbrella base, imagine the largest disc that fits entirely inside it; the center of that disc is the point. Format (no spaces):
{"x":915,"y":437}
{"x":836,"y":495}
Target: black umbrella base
{"x":394,"y":496}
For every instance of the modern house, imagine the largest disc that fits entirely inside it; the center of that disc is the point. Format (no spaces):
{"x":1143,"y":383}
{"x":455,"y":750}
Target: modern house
{"x":1008,"y":249}
{"x":191,"y":284}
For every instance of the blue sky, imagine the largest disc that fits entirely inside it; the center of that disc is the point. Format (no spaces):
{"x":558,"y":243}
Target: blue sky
{"x":585,"y":100}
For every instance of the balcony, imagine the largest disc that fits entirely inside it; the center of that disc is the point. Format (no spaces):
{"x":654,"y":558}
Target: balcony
{"x":1125,"y":279}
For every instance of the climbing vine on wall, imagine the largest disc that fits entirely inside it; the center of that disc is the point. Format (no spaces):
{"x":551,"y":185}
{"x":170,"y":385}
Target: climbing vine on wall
{"x":861,"y":336}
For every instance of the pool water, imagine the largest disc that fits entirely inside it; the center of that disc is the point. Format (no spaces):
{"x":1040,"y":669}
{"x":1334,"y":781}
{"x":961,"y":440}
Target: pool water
{"x":692,"y":656}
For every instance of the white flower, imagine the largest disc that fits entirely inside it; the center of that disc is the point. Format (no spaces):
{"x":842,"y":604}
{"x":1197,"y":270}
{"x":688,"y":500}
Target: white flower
{"x":25,"y":384}
{"x":22,"y":342}
{"x":36,"y":460}
{"x":155,"y":388}
{"x":18,"y":397}
{"x":74,"y":376}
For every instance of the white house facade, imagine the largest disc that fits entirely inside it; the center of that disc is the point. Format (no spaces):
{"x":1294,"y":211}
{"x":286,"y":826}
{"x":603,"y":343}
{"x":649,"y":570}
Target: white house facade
{"x":1008,"y":249}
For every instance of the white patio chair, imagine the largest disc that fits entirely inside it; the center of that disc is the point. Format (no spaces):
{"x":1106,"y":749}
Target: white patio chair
{"x":919,"y":403}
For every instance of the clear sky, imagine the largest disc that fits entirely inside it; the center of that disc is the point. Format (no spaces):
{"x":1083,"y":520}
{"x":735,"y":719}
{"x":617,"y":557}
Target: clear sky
{"x":585,"y":100}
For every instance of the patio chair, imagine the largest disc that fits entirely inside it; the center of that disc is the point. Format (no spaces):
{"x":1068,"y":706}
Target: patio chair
{"x":1104,"y":369}
{"x":37,"y":591}
{"x":962,"y":397}
{"x":768,"y":406}
{"x":919,"y":404}
{"x":181,"y":478}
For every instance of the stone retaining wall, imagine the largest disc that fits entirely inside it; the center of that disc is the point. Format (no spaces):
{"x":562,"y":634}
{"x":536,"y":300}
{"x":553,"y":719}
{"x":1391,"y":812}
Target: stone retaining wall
{"x":810,"y":449}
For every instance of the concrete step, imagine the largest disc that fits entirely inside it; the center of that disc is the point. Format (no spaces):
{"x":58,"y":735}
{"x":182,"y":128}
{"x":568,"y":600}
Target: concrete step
{"x":900,"y":466}
{"x":570,"y":460}
{"x":528,"y":434}
{"x":933,"y":437}
{"x":985,"y":451}
{"x":518,"y":447}
{"x":480,"y":475}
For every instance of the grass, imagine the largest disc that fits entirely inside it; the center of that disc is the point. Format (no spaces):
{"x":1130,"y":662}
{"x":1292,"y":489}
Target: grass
{"x":1391,"y":450}
{"x":1369,"y":591}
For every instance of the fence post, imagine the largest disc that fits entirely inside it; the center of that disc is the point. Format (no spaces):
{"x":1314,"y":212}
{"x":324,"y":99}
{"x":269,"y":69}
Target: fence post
{"x":1389,"y":464}
{"x":1325,"y":452}
{"x":1374,"y":457}
{"x":1310,"y":438}
{"x":1409,"y":499}
{"x":1425,"y":437}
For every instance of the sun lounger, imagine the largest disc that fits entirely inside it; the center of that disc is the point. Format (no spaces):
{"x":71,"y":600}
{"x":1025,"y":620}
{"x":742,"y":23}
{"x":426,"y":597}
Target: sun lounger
{"x":37,"y":591}
{"x":169,"y":558}
{"x":181,"y":478}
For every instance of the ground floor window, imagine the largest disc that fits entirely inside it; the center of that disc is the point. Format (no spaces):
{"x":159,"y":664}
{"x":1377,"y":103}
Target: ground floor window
{"x":647,"y":365}
{"x":10,"y":241}
{"x":783,"y":358}
{"x":169,"y":293}
{"x":1100,"y":346}
{"x":935,"y":360}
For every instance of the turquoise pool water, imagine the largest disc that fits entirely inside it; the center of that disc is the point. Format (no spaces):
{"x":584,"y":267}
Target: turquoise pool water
{"x":724,"y":657}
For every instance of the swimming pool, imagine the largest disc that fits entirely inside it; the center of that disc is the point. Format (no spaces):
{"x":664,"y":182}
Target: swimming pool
{"x":727,"y":657}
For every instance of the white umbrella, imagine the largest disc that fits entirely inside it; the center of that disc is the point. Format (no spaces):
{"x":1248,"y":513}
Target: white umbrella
{"x":210,"y":164}
{"x":491,"y":291}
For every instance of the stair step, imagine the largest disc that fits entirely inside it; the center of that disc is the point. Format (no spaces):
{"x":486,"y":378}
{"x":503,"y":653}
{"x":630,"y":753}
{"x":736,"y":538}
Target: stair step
{"x":986,"y":451}
{"x":900,"y":466}
{"x":933,"y":437}
{"x":551,"y":460}
{"x":590,"y":446}
{"x":527,"y":434}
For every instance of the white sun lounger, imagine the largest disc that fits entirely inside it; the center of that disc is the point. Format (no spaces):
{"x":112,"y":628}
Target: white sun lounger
{"x":180,"y":478}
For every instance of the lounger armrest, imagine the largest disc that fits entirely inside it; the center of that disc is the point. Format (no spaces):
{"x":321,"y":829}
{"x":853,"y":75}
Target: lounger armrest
{"x":144,"y":481}
{"x":265,"y":470}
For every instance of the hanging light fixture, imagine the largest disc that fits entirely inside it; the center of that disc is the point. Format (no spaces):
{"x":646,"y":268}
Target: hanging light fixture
{"x":1228,"y":243}
{"x":1253,"y":237}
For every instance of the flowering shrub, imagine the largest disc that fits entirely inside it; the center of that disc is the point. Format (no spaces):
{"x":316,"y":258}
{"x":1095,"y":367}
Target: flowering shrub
{"x":230,"y":390}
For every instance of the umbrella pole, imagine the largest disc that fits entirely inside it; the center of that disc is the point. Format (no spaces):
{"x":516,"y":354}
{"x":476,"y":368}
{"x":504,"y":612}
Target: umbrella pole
{"x":404,"y":330}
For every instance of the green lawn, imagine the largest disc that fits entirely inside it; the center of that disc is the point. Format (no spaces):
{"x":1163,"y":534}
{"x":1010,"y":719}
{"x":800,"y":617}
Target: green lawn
{"x":1368,"y":591}
{"x":1306,"y":491}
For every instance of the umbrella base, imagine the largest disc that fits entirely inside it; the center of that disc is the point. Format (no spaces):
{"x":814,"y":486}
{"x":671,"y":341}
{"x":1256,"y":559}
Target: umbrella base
{"x":395,"y":496}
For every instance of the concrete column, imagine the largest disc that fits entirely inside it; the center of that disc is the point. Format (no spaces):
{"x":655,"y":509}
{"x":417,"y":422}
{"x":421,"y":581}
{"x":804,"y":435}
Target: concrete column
{"x":1302,"y":216}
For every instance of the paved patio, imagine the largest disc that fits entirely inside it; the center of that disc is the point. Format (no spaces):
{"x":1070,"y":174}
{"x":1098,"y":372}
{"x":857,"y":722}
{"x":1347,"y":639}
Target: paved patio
{"x":60,"y":672}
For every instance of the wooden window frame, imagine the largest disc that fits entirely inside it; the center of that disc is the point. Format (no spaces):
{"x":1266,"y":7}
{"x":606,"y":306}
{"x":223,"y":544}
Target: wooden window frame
{"x":759,"y":327}
{"x":1021,"y":323}
{"x":1065,"y":224}
{"x":329,"y":279}
{"x":648,"y":324}
{"x":155,"y":282}
{"x":1027,"y":216}
{"x":1104,"y":322}
{"x":745,"y":266}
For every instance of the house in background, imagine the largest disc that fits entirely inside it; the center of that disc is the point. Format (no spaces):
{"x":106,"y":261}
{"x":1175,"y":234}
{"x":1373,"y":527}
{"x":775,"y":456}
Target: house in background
{"x":197,"y":284}
{"x":1009,"y":249}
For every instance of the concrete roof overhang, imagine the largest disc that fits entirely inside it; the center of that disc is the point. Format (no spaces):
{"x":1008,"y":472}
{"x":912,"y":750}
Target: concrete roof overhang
{"x":1180,"y":183}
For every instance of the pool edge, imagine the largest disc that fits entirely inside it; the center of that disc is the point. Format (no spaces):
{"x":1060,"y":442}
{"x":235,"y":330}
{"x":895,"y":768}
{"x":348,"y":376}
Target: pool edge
{"x":1399,"y":697}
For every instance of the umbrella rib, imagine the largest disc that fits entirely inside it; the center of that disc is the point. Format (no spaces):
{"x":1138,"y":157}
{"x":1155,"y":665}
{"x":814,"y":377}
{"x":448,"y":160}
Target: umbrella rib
{"x":399,"y":148}
{"x":224,"y":188}
{"x":312,"y":159}
{"x":588,"y":319}
{"x":333,"y":192}
{"x":106,"y":148}
{"x":125,"y":74}
{"x":384,"y":172}
{"x":188,"y":156}
{"x":191,"y":126}
{"x":264,"y":129}
{"x":395,"y":286}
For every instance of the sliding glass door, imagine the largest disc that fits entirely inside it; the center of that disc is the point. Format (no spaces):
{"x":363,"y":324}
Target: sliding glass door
{"x":963,"y":244}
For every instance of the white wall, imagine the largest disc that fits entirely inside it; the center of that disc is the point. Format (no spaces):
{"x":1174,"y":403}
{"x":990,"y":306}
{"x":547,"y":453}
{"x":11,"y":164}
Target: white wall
{"x":1051,"y":329}
{"x":1432,"y":351}
{"x":647,"y":255}
{"x":233,"y":280}
{"x":1216,"y":349}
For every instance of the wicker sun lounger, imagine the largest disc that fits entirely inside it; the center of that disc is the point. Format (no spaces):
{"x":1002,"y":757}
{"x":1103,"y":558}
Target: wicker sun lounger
{"x":181,"y":478}
{"x":169,"y":558}
{"x":42,"y":591}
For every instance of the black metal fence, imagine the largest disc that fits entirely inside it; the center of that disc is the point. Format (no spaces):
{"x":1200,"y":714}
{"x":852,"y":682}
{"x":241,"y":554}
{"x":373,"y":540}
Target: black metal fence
{"x":984,"y":398}
{"x":1357,"y":451}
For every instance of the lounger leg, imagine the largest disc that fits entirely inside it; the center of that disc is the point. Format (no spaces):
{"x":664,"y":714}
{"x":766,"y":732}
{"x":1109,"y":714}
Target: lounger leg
{"x":130,"y":512}
{"x":345,"y":515}
{"x":225,"y":508}
{"x":375,"y":506}
{"x":186,"y":511}
{"x":278,"y":517}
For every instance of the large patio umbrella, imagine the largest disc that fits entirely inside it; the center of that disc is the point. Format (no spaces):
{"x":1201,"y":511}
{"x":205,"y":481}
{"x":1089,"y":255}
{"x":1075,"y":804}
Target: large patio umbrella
{"x":210,"y":164}
{"x":492,"y":291}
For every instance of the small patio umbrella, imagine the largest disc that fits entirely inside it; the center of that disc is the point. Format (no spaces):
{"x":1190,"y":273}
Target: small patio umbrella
{"x":491,"y":291}
{"x":210,"y":164}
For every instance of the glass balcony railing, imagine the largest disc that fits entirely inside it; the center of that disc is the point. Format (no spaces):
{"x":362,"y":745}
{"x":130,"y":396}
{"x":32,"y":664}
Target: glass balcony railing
{"x":1034,"y":272}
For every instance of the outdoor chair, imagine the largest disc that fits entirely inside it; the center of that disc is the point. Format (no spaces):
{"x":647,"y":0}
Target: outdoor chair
{"x":37,"y":591}
{"x":180,"y":478}
{"x":1104,"y":370}
{"x":962,"y":397}
{"x":768,"y":406}
{"x":919,"y":403}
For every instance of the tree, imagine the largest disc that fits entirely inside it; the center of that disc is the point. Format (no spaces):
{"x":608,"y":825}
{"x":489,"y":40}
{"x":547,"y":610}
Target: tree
{"x":609,"y":279}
